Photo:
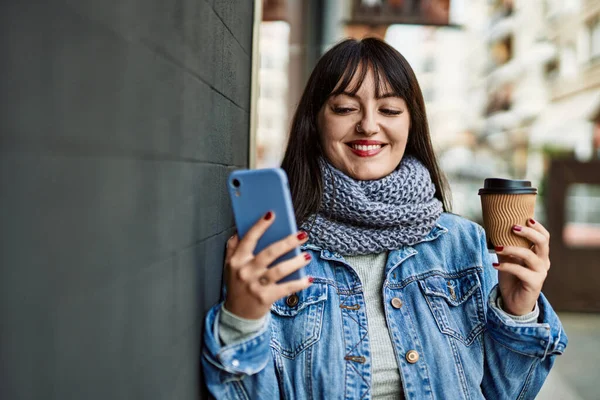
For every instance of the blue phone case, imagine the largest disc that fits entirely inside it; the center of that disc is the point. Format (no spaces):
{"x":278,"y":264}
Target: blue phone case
{"x":259,"y":191}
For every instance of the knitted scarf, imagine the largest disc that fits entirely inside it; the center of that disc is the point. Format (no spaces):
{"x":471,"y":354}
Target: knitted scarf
{"x":367,"y":217}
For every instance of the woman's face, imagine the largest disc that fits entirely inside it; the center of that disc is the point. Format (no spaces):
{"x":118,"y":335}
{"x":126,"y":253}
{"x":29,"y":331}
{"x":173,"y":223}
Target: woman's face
{"x":364,"y":136}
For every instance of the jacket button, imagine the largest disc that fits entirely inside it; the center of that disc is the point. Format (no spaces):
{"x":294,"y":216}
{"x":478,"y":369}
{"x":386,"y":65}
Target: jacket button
{"x":412,"y":356}
{"x":292,"y":300}
{"x":396,"y":302}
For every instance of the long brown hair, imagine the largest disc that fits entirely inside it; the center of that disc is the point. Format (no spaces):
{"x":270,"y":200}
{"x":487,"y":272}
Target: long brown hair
{"x":332,"y":75}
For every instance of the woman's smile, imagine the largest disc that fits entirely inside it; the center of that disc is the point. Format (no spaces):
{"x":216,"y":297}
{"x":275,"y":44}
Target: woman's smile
{"x":366,"y":148}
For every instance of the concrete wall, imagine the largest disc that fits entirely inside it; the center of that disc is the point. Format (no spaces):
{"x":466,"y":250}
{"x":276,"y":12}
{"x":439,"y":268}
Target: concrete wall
{"x":119,"y":122}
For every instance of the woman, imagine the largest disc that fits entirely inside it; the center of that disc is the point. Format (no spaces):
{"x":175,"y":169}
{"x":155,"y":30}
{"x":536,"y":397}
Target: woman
{"x":402,"y":299}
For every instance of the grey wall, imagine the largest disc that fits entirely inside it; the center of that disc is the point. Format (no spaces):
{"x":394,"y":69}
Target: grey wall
{"x":119,"y":122}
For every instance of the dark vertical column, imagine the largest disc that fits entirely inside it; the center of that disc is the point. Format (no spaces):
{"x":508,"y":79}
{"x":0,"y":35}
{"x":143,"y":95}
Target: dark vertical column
{"x":119,"y":122}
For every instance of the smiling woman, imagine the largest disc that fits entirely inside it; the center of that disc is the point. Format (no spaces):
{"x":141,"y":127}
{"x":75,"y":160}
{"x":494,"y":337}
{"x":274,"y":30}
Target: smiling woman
{"x":403,"y":299}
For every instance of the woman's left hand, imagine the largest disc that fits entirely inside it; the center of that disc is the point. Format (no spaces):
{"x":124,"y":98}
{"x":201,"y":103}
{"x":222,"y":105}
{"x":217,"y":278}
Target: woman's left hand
{"x":522,"y":272}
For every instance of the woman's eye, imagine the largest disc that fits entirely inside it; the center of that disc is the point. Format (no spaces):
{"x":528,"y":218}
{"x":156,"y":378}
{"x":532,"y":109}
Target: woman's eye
{"x":342,"y":110}
{"x":387,"y":111}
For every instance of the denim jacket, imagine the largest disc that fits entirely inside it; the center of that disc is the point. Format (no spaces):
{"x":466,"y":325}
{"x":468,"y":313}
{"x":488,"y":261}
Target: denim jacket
{"x":449,"y":338}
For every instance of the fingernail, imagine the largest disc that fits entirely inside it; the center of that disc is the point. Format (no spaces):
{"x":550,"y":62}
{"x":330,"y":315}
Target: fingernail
{"x":268,"y":216}
{"x":531,"y":221}
{"x":307,"y":256}
{"x":499,"y":248}
{"x":496,"y":265}
{"x":302,"y":235}
{"x":517,"y":228}
{"x":311,"y":279}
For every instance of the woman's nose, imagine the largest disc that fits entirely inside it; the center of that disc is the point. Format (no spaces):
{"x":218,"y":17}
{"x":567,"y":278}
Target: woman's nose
{"x":369,"y":125}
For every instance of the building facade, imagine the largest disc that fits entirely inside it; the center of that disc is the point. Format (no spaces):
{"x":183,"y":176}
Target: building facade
{"x":569,"y":122}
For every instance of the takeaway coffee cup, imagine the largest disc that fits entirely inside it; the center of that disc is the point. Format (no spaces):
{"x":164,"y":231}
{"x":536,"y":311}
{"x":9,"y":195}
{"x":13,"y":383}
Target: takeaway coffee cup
{"x":506,"y":203}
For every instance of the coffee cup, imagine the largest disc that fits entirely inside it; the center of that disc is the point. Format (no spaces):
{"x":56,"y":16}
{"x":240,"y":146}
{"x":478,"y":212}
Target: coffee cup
{"x":505,"y":203}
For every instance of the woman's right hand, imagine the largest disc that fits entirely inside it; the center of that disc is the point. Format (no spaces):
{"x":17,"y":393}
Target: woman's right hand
{"x":251,"y":286}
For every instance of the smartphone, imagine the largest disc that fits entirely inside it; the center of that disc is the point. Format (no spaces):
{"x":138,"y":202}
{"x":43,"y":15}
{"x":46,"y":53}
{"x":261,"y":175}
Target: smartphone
{"x":255,"y":192}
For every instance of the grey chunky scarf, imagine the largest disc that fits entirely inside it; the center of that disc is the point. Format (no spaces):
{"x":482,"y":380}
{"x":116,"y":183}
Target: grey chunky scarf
{"x":367,"y":217}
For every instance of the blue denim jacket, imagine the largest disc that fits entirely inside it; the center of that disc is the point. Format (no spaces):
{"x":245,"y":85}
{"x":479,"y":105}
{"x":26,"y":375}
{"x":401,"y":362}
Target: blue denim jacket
{"x":450,"y":339}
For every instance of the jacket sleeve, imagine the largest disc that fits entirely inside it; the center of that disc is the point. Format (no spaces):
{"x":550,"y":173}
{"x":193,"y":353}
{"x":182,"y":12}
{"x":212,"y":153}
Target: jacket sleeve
{"x":241,"y":370}
{"x":517,"y":356}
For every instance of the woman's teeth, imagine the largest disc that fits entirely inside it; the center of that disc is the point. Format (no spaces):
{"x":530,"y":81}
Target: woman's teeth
{"x":366,"y":148}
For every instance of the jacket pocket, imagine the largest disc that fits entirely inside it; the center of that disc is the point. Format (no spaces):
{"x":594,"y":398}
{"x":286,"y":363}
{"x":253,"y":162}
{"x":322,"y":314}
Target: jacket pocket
{"x":456,"y":302}
{"x":296,"y":322}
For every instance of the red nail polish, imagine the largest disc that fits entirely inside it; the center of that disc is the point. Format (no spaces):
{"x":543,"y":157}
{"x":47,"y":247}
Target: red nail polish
{"x":302,"y":235}
{"x":268,"y":216}
{"x":307,"y":256}
{"x":517,"y":228}
{"x":499,"y":248}
{"x":531,"y":221}
{"x":496,"y":264}
{"x":311,"y":279}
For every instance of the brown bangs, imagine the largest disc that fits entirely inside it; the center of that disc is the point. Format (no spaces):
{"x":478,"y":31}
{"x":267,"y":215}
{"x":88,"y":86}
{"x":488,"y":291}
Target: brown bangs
{"x":354,"y":76}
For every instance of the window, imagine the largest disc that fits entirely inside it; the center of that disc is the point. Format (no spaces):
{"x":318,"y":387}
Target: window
{"x":595,"y":37}
{"x":558,"y":8}
{"x":568,"y":61}
{"x":572,"y":6}
{"x":508,"y":7}
{"x":428,"y":95}
{"x":551,"y":69}
{"x":502,"y":51}
{"x":429,"y":65}
{"x":549,"y":7}
{"x":583,"y":44}
{"x":582,"y":227}
{"x":500,"y":100}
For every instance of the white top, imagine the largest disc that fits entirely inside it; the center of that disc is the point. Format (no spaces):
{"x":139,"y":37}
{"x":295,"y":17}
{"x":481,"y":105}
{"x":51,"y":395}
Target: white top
{"x":386,"y":383}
